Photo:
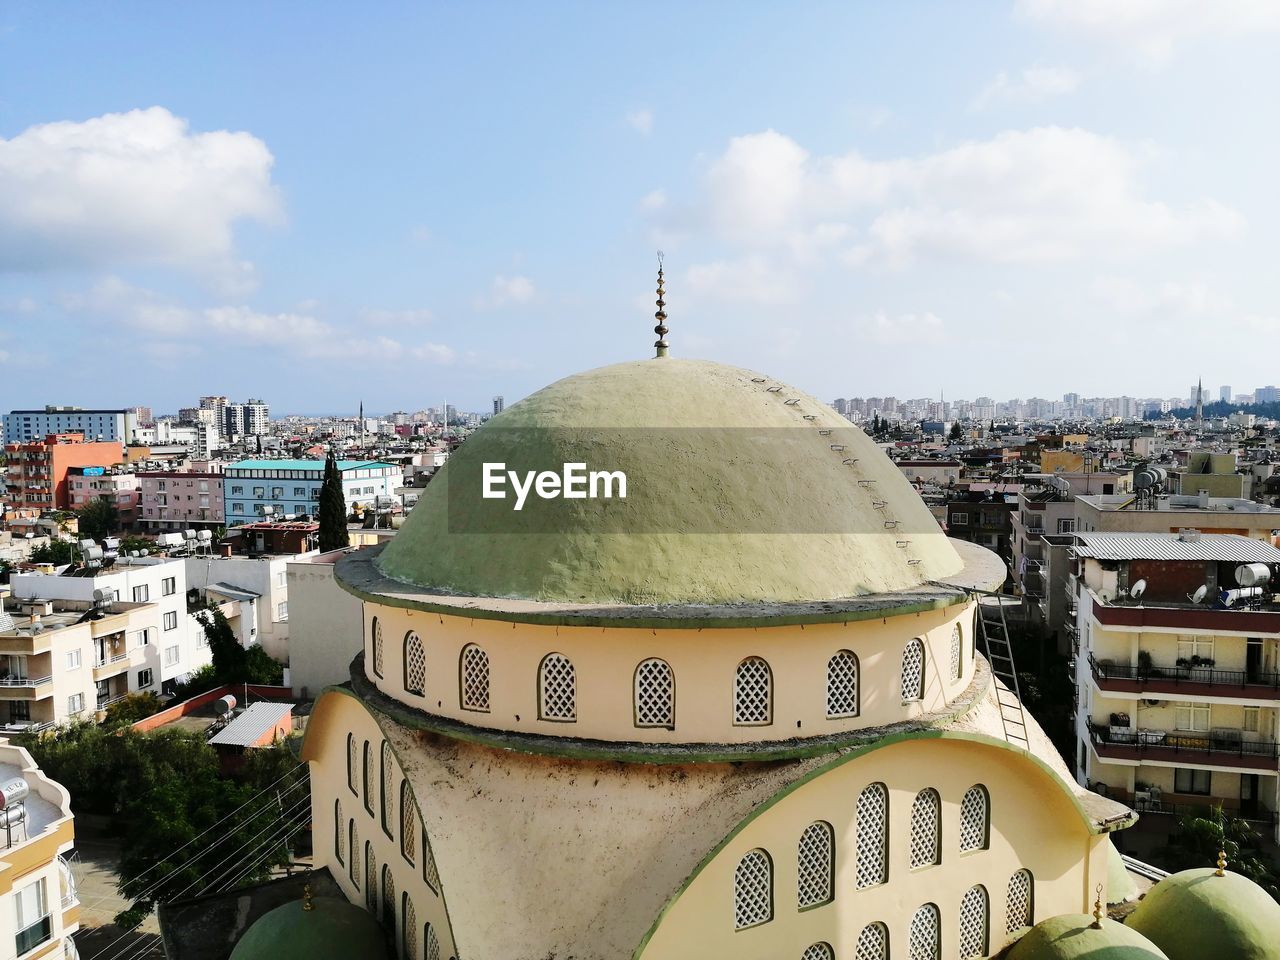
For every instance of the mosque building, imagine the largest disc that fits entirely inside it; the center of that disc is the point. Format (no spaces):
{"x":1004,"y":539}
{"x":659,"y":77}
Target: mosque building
{"x":743,"y":712}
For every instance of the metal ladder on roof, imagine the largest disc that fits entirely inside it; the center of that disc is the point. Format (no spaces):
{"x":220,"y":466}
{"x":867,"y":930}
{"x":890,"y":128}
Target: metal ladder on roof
{"x":994,"y":632}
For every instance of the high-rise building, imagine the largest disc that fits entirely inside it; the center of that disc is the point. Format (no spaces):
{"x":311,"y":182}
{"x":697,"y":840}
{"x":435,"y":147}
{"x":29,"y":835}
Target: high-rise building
{"x":1224,"y":393}
{"x":36,"y":473}
{"x":26,"y":426}
{"x":498,"y":405}
{"x":1267,"y":394}
{"x":248,"y":419}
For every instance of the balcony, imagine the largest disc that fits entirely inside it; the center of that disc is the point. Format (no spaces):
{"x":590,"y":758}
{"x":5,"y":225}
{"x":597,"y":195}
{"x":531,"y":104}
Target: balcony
{"x":25,"y":688}
{"x":1154,"y":802}
{"x":1206,"y":749}
{"x":104,"y":702}
{"x":110,"y":666}
{"x":1184,"y":681}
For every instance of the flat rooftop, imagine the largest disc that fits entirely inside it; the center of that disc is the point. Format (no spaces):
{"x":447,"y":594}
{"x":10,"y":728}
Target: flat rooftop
{"x":1176,"y":504}
{"x":1217,"y":547}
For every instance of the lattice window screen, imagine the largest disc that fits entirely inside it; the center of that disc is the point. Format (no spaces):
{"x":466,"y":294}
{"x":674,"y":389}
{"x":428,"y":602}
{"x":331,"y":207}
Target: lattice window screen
{"x":842,"y":685}
{"x":873,"y":943}
{"x":753,"y":890}
{"x":753,"y":692}
{"x":388,"y":798}
{"x":818,"y":951}
{"x":354,"y":865}
{"x":388,"y":898}
{"x":973,"y":819}
{"x":410,"y":930}
{"x":415,"y":665}
{"x":433,"y":944}
{"x":558,"y":683}
{"x":956,"y":647}
{"x":371,"y":875}
{"x":873,"y":835}
{"x":1018,"y":910}
{"x":655,"y":694}
{"x":429,"y":871}
{"x":408,"y":824}
{"x":377,"y":646}
{"x":353,"y":764}
{"x":339,"y":833}
{"x":973,"y":923}
{"x":813,"y":865}
{"x":913,"y":671}
{"x":475,"y":679}
{"x":925,"y":814}
{"x":925,"y":941}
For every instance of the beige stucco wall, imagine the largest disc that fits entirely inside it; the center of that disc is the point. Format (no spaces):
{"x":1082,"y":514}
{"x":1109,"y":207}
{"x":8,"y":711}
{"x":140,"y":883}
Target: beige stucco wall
{"x":704,"y":663}
{"x":325,"y":624}
{"x":326,"y":746}
{"x":1033,"y":825}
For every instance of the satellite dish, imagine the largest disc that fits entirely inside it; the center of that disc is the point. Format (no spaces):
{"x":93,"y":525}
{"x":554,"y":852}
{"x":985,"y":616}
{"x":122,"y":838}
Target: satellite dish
{"x":1202,"y":591}
{"x":1138,"y":589}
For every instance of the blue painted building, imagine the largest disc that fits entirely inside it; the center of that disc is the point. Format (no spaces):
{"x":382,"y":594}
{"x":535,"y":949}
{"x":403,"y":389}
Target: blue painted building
{"x":292,"y":487}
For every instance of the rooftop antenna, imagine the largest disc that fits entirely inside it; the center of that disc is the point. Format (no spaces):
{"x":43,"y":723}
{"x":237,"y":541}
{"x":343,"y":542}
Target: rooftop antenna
{"x":661,"y":329}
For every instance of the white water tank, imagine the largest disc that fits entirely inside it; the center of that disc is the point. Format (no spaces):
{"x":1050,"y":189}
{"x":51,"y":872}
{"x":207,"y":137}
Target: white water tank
{"x":1252,"y":574}
{"x":12,"y":791}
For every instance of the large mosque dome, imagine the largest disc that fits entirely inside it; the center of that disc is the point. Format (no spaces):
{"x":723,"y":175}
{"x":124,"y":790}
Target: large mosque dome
{"x":740,"y":489}
{"x":1073,"y":936}
{"x":331,"y":928}
{"x":1196,"y":914}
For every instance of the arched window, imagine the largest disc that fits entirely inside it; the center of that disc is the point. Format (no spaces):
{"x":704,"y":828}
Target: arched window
{"x":409,"y":927}
{"x":415,"y":665}
{"x":368,"y":777}
{"x":815,"y":865}
{"x":913,"y":671}
{"x":957,"y":648}
{"x":473,"y":678}
{"x":429,"y":872}
{"x":873,"y":943}
{"x":926,"y":829}
{"x":339,"y":834}
{"x":924,"y":941}
{"x":557,"y":688}
{"x":873,"y":835}
{"x":818,"y":951}
{"x":433,"y":943}
{"x":388,"y":799}
{"x":377,"y":647}
{"x":975,"y":821}
{"x":408,"y":823}
{"x":353,"y":864}
{"x":753,"y":693}
{"x":974,"y":912}
{"x":353,"y":764}
{"x":1019,"y":910}
{"x":371,"y":875}
{"x":388,"y":899}
{"x":842,"y":685}
{"x":753,"y":890}
{"x":655,"y":694}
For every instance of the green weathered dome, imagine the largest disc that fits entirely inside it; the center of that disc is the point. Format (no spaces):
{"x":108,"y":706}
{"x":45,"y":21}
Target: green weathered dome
{"x":1072,"y":937}
{"x":1120,"y":885}
{"x":334,"y":930}
{"x":740,"y":489}
{"x":1196,"y":914}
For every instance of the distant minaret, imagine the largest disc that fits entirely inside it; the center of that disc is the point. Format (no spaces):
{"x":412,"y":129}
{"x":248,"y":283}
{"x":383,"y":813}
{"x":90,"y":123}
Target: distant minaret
{"x":362,"y":426}
{"x":660,"y":347}
{"x":1200,"y":403}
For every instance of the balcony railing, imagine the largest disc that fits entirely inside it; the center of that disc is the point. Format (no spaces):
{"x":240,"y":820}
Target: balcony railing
{"x":104,"y":702}
{"x":116,"y":659}
{"x":1126,"y":678}
{"x":1205,"y":748}
{"x":1144,"y":802}
{"x":24,"y":681}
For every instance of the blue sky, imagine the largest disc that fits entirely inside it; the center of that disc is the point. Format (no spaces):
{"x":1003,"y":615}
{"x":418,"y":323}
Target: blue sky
{"x":416,"y":203}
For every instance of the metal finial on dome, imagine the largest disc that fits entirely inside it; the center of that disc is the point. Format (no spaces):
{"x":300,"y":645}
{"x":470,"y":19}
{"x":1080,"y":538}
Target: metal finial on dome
{"x":306,"y":894}
{"x":1097,"y":910}
{"x":661,"y":329}
{"x":1222,"y":864}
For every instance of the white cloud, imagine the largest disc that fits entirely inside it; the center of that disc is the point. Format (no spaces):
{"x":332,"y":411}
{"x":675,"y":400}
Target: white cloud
{"x":1043,"y":195}
{"x":1129,"y":298}
{"x":505,"y":291}
{"x":751,"y":279}
{"x":1031,"y":86}
{"x":654,"y":200}
{"x":912,"y":328}
{"x":641,"y":121}
{"x":398,"y":318}
{"x":136,"y":188}
{"x":1152,"y":30}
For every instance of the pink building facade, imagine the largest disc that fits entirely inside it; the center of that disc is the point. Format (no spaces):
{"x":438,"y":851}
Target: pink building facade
{"x":180,"y":501}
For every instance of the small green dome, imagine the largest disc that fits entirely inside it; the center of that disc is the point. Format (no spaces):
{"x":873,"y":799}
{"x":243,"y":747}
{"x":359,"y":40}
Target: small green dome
{"x":1196,"y":914}
{"x":333,"y":930}
{"x":1072,"y":937}
{"x":739,"y":490}
{"x":1120,"y":885}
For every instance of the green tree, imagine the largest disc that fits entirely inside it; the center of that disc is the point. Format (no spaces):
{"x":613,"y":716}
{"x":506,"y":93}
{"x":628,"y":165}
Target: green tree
{"x":957,"y":432}
{"x":229,"y":661}
{"x":99,"y":518}
{"x":58,"y":552}
{"x":333,"y":508}
{"x":134,"y":707}
{"x":1199,"y":838}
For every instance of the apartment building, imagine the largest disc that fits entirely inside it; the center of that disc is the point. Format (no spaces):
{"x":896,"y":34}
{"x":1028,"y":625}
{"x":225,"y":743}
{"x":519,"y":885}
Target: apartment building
{"x":1169,"y":513}
{"x":178,"y":646}
{"x":63,"y":660}
{"x":170,"y":500}
{"x":253,"y":489}
{"x":112,"y":426}
{"x":1177,"y":669}
{"x":36,"y":472}
{"x":39,"y":907}
{"x":940,"y":473}
{"x":122,"y":490}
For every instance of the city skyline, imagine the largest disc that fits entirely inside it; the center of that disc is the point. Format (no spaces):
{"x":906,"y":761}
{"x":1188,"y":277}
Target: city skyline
{"x":1080,"y":189}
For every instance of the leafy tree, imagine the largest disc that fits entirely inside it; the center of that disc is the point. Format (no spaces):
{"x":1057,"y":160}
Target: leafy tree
{"x":134,"y":707}
{"x":1199,"y":838}
{"x":136,"y":543}
{"x":957,"y":432}
{"x":99,"y":518}
{"x":198,"y":681}
{"x":333,"y":508}
{"x":57,"y":552}
{"x":229,"y":662}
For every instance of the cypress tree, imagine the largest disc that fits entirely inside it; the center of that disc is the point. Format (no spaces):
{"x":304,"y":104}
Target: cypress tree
{"x":333,"y":508}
